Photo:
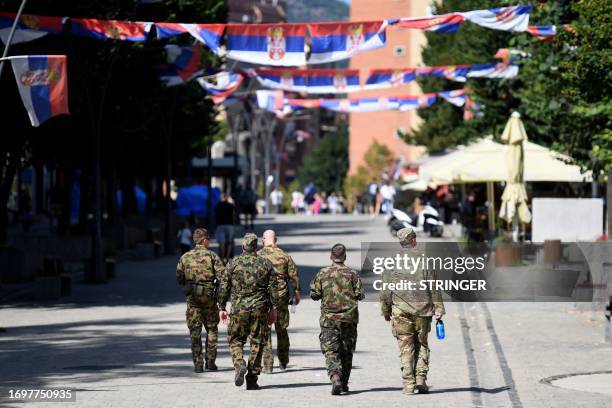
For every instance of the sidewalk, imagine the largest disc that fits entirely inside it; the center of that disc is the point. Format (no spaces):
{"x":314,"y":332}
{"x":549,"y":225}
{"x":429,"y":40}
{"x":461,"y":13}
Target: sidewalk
{"x":126,"y":344}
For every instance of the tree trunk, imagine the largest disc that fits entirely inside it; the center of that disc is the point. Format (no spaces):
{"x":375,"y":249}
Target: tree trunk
{"x":85,"y":201}
{"x":63,"y":223}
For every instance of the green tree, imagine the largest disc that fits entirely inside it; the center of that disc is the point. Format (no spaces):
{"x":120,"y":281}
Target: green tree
{"x":118,"y":82}
{"x":566,"y":97}
{"x":327,"y":164}
{"x":443,"y":125}
{"x":376,"y":162}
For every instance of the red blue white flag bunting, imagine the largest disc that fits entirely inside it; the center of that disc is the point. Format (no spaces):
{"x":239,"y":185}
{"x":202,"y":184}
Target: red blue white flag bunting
{"x":42,"y":81}
{"x":337,"y":41}
{"x":183,"y":64}
{"x":457,"y":97}
{"x":446,"y":23}
{"x":110,"y":29}
{"x":221,"y":85}
{"x":208,"y":34}
{"x":514,"y":18}
{"x":29,"y":27}
{"x":267,"y":44}
{"x":387,"y":78}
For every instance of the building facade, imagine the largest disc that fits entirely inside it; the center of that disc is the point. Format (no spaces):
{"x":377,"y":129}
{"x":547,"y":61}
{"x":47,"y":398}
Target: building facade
{"x":403,"y":50}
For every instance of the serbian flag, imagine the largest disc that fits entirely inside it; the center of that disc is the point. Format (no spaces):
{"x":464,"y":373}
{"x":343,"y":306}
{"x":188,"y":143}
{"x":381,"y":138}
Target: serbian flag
{"x":445,"y":23}
{"x":209,"y":34}
{"x":515,"y":18}
{"x":337,"y":41}
{"x":452,"y":72}
{"x":457,"y":97}
{"x":386,"y":78}
{"x":221,"y":85}
{"x":29,"y":27}
{"x":110,"y":29}
{"x":268,"y":44}
{"x":43,"y":85}
{"x":493,"y":70}
{"x":416,"y":102}
{"x":183,"y":64}
{"x":292,"y":80}
{"x":543,"y":32}
{"x":332,"y":81}
{"x":360,"y":104}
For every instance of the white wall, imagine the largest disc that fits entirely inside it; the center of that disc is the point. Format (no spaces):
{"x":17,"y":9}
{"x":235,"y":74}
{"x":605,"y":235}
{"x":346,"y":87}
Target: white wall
{"x":567,"y":219}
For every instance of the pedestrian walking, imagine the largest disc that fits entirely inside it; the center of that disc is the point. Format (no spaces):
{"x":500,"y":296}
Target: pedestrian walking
{"x":286,"y":272}
{"x":198,"y":273}
{"x":249,"y":280}
{"x":225,"y":218}
{"x":339,"y":289}
{"x":410,"y":313}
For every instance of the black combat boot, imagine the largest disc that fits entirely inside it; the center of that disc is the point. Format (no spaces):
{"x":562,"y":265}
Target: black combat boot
{"x":198,"y":368}
{"x":345,"y":387}
{"x":421,"y":385}
{"x":336,"y":385}
{"x":251,"y":381}
{"x":211,"y":366}
{"x":241,"y":370}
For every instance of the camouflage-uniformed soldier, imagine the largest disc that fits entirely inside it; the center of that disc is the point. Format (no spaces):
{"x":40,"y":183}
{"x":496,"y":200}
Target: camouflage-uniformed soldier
{"x":410,"y":313}
{"x":249,"y":279}
{"x":339,"y":289}
{"x":198,"y":272}
{"x":285,"y":271}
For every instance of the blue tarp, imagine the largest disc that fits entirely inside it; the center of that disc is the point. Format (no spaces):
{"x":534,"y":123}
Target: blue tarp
{"x":193,"y":200}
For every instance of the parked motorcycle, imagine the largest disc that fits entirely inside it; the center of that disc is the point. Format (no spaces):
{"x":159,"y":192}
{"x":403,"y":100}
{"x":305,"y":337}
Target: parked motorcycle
{"x":428,"y":221}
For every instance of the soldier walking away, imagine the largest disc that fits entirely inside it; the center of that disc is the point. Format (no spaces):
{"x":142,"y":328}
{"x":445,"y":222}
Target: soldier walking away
{"x":410,"y":313}
{"x":198,"y":273}
{"x":249,"y":280}
{"x":285,"y":271}
{"x":339,"y":289}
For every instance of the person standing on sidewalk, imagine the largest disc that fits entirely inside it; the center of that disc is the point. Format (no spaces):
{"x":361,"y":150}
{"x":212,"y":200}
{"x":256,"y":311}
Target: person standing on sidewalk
{"x":197,"y":272}
{"x":285,"y":271}
{"x":410,"y":313}
{"x":225,"y":217}
{"x":250,"y":281}
{"x":339,"y":289}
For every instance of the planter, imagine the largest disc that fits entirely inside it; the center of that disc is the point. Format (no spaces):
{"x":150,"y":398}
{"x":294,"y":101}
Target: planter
{"x":552,"y":251}
{"x":508,"y":255}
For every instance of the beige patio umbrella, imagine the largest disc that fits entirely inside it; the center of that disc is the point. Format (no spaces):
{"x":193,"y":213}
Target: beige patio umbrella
{"x":514,"y":197}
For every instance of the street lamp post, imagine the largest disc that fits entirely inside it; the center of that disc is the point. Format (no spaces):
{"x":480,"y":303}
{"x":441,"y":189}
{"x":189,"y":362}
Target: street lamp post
{"x":7,"y":47}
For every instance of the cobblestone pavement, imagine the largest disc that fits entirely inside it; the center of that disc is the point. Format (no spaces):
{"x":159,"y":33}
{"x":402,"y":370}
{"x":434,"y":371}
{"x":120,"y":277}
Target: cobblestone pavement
{"x":125,"y":343}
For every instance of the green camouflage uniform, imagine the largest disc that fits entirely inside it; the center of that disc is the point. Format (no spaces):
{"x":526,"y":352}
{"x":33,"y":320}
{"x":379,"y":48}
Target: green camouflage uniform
{"x":339,"y":289}
{"x":285,"y":270}
{"x":411,"y":312}
{"x":197,"y":271}
{"x":249,"y":279}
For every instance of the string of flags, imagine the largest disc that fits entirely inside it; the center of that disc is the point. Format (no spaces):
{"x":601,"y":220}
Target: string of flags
{"x":282,"y":44}
{"x":275,"y":101}
{"x":316,"y":81}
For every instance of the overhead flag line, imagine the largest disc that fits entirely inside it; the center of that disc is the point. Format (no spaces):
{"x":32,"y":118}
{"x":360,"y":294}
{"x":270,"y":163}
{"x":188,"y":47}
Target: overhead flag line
{"x":281,"y":44}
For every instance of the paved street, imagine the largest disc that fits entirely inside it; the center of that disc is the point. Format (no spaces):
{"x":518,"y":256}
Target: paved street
{"x":126,"y":344}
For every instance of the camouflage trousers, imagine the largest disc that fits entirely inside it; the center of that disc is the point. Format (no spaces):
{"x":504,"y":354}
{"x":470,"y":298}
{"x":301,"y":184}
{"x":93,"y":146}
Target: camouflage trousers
{"x":203,"y":313}
{"x":251,"y":325}
{"x":282,"y":338}
{"x":411,"y":333}
{"x":338,"y":341}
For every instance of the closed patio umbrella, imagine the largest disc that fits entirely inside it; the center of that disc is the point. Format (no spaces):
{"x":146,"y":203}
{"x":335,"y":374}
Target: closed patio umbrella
{"x":514,"y":197}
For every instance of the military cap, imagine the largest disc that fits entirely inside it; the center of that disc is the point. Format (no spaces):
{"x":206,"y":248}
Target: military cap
{"x":249,"y":242}
{"x":338,"y":252}
{"x":405,"y":234}
{"x":199,"y":235}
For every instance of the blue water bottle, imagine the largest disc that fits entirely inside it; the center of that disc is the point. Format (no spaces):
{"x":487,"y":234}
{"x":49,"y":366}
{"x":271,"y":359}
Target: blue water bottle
{"x":440,"y":329}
